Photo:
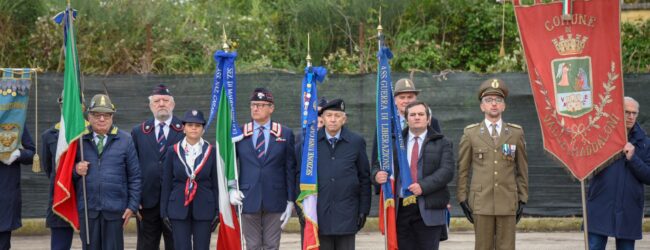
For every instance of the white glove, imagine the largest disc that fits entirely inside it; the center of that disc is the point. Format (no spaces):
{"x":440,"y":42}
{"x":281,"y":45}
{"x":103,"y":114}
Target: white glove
{"x":286,"y":215}
{"x":14,"y":155}
{"x":236,"y":197}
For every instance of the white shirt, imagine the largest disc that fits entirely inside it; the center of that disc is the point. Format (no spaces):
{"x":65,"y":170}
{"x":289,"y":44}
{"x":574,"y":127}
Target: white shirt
{"x":488,"y":124}
{"x":411,"y":141}
{"x":156,"y":124}
{"x":192,"y":151}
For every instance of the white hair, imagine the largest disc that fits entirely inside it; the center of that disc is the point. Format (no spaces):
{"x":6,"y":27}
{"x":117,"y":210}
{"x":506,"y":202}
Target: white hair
{"x":151,"y":96}
{"x":630,"y":99}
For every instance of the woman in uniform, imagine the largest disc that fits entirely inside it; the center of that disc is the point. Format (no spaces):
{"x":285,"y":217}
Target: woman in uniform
{"x":189,"y":195}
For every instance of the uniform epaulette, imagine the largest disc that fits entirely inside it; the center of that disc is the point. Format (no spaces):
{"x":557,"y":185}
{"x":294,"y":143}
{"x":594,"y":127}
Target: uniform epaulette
{"x":146,"y":128}
{"x":114,"y":130}
{"x":276,"y":129}
{"x":472,"y":125}
{"x":514,"y":125}
{"x":248,"y":129}
{"x":177,"y":126}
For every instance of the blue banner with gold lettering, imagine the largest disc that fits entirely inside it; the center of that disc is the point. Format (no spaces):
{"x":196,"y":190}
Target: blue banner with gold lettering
{"x":14,"y":97}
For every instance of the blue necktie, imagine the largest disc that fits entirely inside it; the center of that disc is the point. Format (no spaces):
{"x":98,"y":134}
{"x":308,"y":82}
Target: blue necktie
{"x":259,"y":144}
{"x":162,"y":140}
{"x":333,"y":141}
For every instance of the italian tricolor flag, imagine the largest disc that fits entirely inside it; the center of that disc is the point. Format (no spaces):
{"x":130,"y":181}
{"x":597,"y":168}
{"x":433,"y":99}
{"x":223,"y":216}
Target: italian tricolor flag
{"x":71,"y":128}
{"x":228,"y":237}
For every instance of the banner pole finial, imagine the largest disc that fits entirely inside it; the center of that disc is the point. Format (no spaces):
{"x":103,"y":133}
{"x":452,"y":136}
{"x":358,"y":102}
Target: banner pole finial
{"x":224,"y":39}
{"x":308,"y":58}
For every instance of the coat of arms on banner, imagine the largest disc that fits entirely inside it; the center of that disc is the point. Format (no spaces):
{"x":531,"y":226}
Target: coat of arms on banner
{"x":573,"y":86}
{"x":574,"y":63}
{"x":14,"y":97}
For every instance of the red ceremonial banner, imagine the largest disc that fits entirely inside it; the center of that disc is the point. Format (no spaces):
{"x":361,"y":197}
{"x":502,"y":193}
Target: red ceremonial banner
{"x":574,"y":65}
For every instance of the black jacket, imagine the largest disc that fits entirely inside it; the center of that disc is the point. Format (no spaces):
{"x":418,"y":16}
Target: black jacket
{"x":343,"y":183}
{"x":436,"y":166}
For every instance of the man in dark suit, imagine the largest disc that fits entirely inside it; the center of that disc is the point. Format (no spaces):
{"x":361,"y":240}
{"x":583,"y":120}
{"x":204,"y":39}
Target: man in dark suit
{"x":431,"y":164}
{"x":267,"y":180}
{"x":343,"y":180}
{"x":152,"y":138}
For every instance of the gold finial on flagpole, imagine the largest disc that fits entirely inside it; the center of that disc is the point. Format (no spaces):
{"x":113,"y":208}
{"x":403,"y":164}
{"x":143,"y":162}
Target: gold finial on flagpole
{"x":308,"y":58}
{"x":224,"y":39}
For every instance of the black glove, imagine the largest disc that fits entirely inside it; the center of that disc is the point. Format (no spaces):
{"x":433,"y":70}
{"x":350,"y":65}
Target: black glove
{"x":168,"y":224}
{"x":361,"y":221}
{"x":520,"y":210}
{"x":214,"y":223}
{"x":467,"y":211}
{"x":301,"y":217}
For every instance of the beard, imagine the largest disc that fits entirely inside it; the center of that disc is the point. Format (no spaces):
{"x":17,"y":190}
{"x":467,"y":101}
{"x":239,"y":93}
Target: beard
{"x":163,"y":115}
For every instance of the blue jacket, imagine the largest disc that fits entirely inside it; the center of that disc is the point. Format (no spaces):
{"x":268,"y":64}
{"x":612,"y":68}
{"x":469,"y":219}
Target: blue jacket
{"x":172,"y":197}
{"x":151,"y":159}
{"x":49,"y":140}
{"x":10,"y":196}
{"x":616,"y":196}
{"x":267,"y":186}
{"x":343,"y":183}
{"x":113,"y":182}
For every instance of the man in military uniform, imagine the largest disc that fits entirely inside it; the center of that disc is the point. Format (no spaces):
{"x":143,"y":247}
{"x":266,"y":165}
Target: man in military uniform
{"x":151,"y":139}
{"x":343,"y":180}
{"x":113,"y":182}
{"x":493,"y":153}
{"x":267,"y":174}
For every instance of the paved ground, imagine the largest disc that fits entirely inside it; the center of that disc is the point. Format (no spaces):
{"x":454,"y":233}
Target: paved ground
{"x":374,"y":241}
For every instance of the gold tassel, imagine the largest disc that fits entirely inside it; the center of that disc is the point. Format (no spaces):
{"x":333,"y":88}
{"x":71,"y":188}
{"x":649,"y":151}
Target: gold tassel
{"x":36,"y":165}
{"x":409,"y":200}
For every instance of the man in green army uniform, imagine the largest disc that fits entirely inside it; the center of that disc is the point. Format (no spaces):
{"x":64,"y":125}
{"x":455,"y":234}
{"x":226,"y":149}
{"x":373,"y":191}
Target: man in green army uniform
{"x":492,"y":161}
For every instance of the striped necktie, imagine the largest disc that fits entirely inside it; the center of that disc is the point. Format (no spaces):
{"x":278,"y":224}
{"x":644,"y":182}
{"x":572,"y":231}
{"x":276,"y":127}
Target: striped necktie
{"x":259,"y":144}
{"x":162,"y":140}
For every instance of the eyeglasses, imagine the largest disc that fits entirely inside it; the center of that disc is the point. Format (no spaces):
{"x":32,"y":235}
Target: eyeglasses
{"x":631,"y":113}
{"x":260,"y":105}
{"x":497,"y":100}
{"x":101,"y":115}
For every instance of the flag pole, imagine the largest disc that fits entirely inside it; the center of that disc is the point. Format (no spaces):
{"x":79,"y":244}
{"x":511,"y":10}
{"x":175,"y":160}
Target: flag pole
{"x":584,"y":214}
{"x":226,"y":48}
{"x":81,"y":148}
{"x":385,"y":217}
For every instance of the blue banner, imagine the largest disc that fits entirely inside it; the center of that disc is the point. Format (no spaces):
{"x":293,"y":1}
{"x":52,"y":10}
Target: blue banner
{"x":225,"y":80}
{"x":14,"y":98}
{"x":309,"y":114}
{"x":389,"y":131}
